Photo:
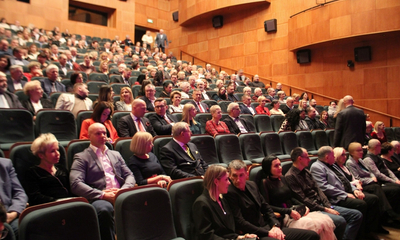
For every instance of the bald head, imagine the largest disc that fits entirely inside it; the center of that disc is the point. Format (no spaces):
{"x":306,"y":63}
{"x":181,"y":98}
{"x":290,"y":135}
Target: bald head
{"x":348,"y":100}
{"x":138,"y":107}
{"x":95,"y":126}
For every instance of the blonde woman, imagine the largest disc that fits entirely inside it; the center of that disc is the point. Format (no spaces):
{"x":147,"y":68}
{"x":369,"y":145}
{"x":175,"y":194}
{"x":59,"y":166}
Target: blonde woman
{"x":125,"y":103}
{"x":188,"y":114}
{"x":379,"y":132}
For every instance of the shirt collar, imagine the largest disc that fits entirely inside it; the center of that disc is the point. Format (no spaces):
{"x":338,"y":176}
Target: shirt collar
{"x":96,"y":149}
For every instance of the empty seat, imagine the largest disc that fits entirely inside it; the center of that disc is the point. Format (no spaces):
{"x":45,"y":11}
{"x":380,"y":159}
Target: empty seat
{"x":390,"y":136}
{"x":202,"y":118}
{"x":82,"y":115}
{"x":206,"y":146}
{"x":330,"y":133}
{"x":16,"y":126}
{"x":250,"y":145}
{"x":288,"y":140}
{"x":276,"y":122}
{"x":224,"y":105}
{"x":54,"y":97}
{"x":94,"y":86}
{"x":228,"y":148}
{"x":98,"y":77}
{"x":305,"y":140}
{"x":256,"y":174}
{"x":135,"y":90}
{"x":117,"y":87}
{"x":271,"y":145}
{"x":396,"y":131}
{"x":320,"y":138}
{"x":249,"y":119}
{"x":158,"y":91}
{"x":210,"y":102}
{"x":263,"y":123}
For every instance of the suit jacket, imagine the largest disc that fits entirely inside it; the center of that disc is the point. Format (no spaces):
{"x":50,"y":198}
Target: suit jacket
{"x":12,"y":194}
{"x":350,"y":127}
{"x":12,"y":100}
{"x":160,"y":125}
{"x":329,"y":182}
{"x":233,"y":128}
{"x":252,"y":215}
{"x":314,"y":123}
{"x":205,"y":106}
{"x":285,"y":109}
{"x":177,"y":163}
{"x":210,"y":222}
{"x":127,"y":128}
{"x":10,"y":84}
{"x":87,"y":177}
{"x":149,"y":105}
{"x":245,"y":110}
{"x":46,"y":86}
{"x":66,"y":101}
{"x":46,"y":103}
{"x":233,"y":98}
{"x":160,"y":42}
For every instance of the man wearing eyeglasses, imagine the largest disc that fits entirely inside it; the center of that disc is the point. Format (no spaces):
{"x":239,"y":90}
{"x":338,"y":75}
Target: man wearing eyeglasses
{"x":162,"y":121}
{"x":149,"y":97}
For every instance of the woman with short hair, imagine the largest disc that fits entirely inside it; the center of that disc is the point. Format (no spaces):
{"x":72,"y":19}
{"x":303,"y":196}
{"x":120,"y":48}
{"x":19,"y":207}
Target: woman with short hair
{"x":215,"y":126}
{"x":175,"y":105}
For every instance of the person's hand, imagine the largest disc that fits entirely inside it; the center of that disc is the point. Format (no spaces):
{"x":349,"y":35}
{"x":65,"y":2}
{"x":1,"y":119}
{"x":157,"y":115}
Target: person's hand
{"x":247,"y":235}
{"x":359,"y":194}
{"x":349,"y":195}
{"x":295,"y":215}
{"x":162,"y":183}
{"x":374,"y":179}
{"x":277,"y":233}
{"x":359,"y":186}
{"x":11,"y":216}
{"x":398,"y":181}
{"x":109,"y":196}
{"x":166,"y":178}
{"x":332,"y":211}
{"x":307,"y":211}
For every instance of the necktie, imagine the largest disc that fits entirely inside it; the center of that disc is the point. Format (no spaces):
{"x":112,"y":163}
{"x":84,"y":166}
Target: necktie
{"x":53,"y":87}
{"x":141,"y":129}
{"x":166,"y":119}
{"x":200,"y":108}
{"x":187,"y":150}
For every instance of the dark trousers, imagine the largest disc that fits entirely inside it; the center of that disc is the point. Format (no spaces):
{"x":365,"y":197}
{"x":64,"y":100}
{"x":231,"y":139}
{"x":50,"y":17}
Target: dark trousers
{"x":376,"y":189}
{"x":392,"y":192}
{"x":295,"y":233}
{"x":105,"y":214}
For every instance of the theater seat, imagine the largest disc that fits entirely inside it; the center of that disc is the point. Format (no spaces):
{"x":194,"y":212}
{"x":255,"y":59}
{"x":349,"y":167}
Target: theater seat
{"x":263,"y":123}
{"x":94,"y":86}
{"x":228,"y":148}
{"x":320,"y":138}
{"x":206,"y":146}
{"x":202,"y":118}
{"x":98,"y":77}
{"x":271,"y":145}
{"x":250,"y":144}
{"x":288,"y":140}
{"x":117,"y":87}
{"x":16,"y":126}
{"x":82,"y":115}
{"x":305,"y":141}
{"x":390,"y":136}
{"x":276,"y":122}
{"x":122,"y":145}
{"x":77,"y":146}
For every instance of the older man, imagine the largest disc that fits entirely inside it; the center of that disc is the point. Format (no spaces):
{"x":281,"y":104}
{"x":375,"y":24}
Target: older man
{"x":7,"y":99}
{"x":51,"y":83}
{"x":200,"y":87}
{"x":235,"y":123}
{"x":246,"y":108}
{"x":75,"y":102}
{"x":289,"y":105}
{"x":185,"y":88}
{"x":135,"y":121}
{"x":4,"y":50}
{"x":162,"y":121}
{"x":16,"y":81}
{"x":149,"y":97}
{"x":270,"y":94}
{"x":230,"y":91}
{"x":17,"y":58}
{"x":200,"y":107}
{"x":257,"y":93}
{"x":97,"y":174}
{"x":256,"y":82}
{"x":180,"y":158}
{"x":64,"y":66}
{"x":161,"y":40}
{"x":311,"y":121}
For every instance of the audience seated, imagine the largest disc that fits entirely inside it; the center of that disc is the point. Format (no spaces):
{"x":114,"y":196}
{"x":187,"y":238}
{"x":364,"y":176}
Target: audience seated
{"x":50,"y":83}
{"x":294,"y":120}
{"x":5,"y":64}
{"x":77,"y":101}
{"x":197,"y":97}
{"x":215,"y":126}
{"x":16,"y":80}
{"x":135,"y":121}
{"x":7,"y":99}
{"x":257,"y":93}
{"x":149,"y":97}
{"x":220,"y":95}
{"x":230,"y":92}
{"x":175,"y":105}
{"x":379,"y":132}
{"x":125,"y":103}
{"x":34,"y":71}
{"x":288,"y":106}
{"x":313,"y":103}
{"x":270,"y":94}
{"x":36,"y":101}
{"x":167,"y":89}
{"x":247,"y":108}
{"x":325,"y":120}
{"x":17,"y":57}
{"x":261,"y":109}
{"x":275,"y":108}
{"x":86,"y":66}
{"x":188,"y":113}
{"x":312,"y":121}
{"x":256,"y":82}
{"x":162,"y":121}
{"x":236,"y":124}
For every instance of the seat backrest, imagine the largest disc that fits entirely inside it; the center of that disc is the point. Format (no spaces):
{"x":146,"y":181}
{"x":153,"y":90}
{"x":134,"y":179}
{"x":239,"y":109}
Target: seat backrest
{"x":54,"y":97}
{"x":117,"y":116}
{"x":16,"y":126}
{"x":320,"y":138}
{"x":206,"y":146}
{"x":228,"y":148}
{"x":135,"y":90}
{"x":210,"y":103}
{"x":82,"y":115}
{"x":178,"y":116}
{"x":158,"y":91}
{"x":263,"y":123}
{"x":224,"y":105}
{"x":286,"y":166}
{"x":250,"y":144}
{"x":94,"y":86}
{"x":2,"y":154}
{"x":61,"y":123}
{"x":62,"y":219}
{"x":256,"y":174}
{"x":122,"y":145}
{"x":183,"y":194}
{"x":144,"y":213}
{"x":74,"y":147}
{"x":390,"y":136}
{"x":330,"y":133}
{"x":249,"y":119}
{"x":98,"y":77}
{"x":117,"y":87}
{"x":202,"y":118}
{"x":159,"y":142}
{"x":396,"y":131}
{"x":23,"y":158}
{"x":276,"y":122}
{"x":271,"y":143}
{"x":288,"y":141}
{"x":305,"y":140}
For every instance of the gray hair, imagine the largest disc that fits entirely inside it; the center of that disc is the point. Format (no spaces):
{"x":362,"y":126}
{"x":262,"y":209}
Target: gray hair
{"x":230,"y":106}
{"x":323,"y":151}
{"x":178,"y":128}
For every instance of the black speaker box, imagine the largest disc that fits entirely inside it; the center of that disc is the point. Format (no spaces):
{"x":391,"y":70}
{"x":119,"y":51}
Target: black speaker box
{"x":175,"y":16}
{"x":270,"y":25}
{"x":362,"y":54}
{"x":303,"y":56}
{"x":218,"y":21}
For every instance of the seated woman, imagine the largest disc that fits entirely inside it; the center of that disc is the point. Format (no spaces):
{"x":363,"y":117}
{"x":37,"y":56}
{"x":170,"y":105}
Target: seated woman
{"x":281,"y":97}
{"x":220,"y":95}
{"x":214,"y":219}
{"x":5,"y":64}
{"x":167,"y":89}
{"x":296,"y":98}
{"x":247,"y":91}
{"x":106,"y":94}
{"x":76,"y":77}
{"x":379,"y":132}
{"x":325,"y":119}
{"x":32,"y":52}
{"x":158,"y":77}
{"x":275,"y":108}
{"x":302,"y":104}
{"x":49,"y":180}
{"x":36,"y":101}
{"x":176,"y":105}
{"x":188,"y":114}
{"x":294,"y":120}
{"x":125,"y":103}
{"x":261,"y":109}
{"x":278,"y":194}
{"x":86,"y":66}
{"x":387,"y":151}
{"x":215,"y":126}
{"x":144,"y":164}
{"x":101,"y":114}
{"x":34,"y":70}
{"x":103,"y":67}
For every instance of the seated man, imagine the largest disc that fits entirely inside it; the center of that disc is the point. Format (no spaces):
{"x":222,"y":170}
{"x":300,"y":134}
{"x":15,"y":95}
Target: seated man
{"x":200,"y":107}
{"x":200,"y":87}
{"x":135,"y":121}
{"x":311,"y":121}
{"x":341,"y":192}
{"x":307,"y":191}
{"x":17,"y":58}
{"x":180,"y":158}
{"x":257,"y":94}
{"x":77,"y":101}
{"x":230,"y":91}
{"x":51,"y":83}
{"x":149,"y":97}
{"x":162,"y":121}
{"x":270,"y":94}
{"x":97,"y":174}
{"x":64,"y":65}
{"x":185,"y":88}
{"x":396,"y":153}
{"x":313,"y":103}
{"x":12,"y":195}
{"x":289,"y":105}
{"x":16,"y":81}
{"x":256,"y":82}
{"x":252,"y":213}
{"x":246,"y":108}
{"x":124,"y":78}
{"x":278,"y":87}
{"x":7,"y":99}
{"x":235,"y":123}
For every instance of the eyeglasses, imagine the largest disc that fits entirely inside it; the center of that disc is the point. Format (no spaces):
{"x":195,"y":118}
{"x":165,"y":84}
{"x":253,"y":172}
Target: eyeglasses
{"x":161,"y":106}
{"x":3,"y":233}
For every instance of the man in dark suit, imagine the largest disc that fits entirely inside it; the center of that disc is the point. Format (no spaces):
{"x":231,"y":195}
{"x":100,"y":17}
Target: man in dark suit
{"x":162,"y":121}
{"x":97,"y":174}
{"x":17,"y":59}
{"x":200,"y":107}
{"x":135,"y":121}
{"x":7,"y":99}
{"x":311,"y":121}
{"x":161,"y":40}
{"x":289,"y":105}
{"x":230,"y":90}
{"x":180,"y":158}
{"x":64,"y":66}
{"x":350,"y":125}
{"x":149,"y":97}
{"x":246,"y":108}
{"x":51,"y":83}
{"x":252,"y":213}
{"x":235,"y":123}
{"x":124,"y":78}
{"x":16,"y":80}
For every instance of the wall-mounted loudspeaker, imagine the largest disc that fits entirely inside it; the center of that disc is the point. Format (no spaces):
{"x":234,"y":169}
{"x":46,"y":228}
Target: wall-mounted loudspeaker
{"x":270,"y":25}
{"x":303,"y":56}
{"x":218,"y":21}
{"x":362,"y":54}
{"x":175,"y":16}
